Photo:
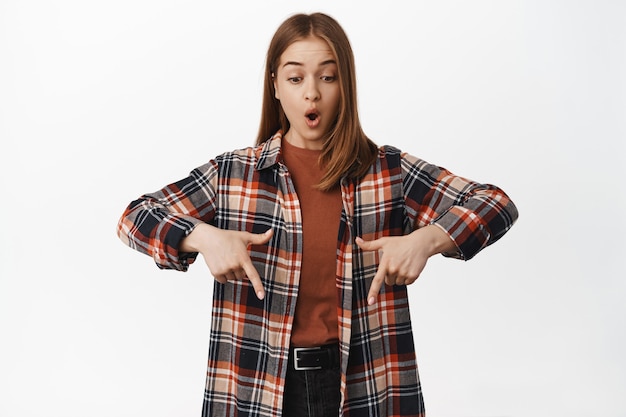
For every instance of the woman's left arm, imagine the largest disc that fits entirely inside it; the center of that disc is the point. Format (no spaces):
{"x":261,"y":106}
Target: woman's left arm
{"x":473,"y":215}
{"x":451,"y":215}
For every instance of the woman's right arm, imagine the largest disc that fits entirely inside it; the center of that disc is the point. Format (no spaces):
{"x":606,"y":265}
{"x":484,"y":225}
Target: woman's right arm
{"x":155,"y":224}
{"x":173,"y":225}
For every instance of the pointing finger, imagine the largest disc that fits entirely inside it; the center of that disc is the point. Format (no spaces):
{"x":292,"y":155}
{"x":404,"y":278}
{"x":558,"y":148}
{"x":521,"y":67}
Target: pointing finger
{"x":254,"y":278}
{"x":377,"y":283}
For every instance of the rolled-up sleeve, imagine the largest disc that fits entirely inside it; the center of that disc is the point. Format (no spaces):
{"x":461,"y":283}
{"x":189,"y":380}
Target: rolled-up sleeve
{"x":474,"y":215}
{"x":156,"y":223}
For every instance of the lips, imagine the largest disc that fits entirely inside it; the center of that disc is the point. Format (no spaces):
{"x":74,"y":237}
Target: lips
{"x":312,"y":118}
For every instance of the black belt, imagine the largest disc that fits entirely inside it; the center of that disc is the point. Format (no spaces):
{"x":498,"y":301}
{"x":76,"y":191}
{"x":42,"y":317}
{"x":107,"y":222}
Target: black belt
{"x":314,"y":358}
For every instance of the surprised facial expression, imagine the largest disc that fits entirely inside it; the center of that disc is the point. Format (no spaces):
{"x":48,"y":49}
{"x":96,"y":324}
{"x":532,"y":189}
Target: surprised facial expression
{"x":306,"y":83}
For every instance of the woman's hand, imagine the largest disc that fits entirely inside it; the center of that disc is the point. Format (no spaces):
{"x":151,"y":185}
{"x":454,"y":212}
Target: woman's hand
{"x":403,"y":258}
{"x":226,"y":253}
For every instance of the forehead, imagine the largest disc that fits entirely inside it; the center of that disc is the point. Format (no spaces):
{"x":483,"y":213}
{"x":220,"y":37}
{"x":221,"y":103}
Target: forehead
{"x":310,"y":50}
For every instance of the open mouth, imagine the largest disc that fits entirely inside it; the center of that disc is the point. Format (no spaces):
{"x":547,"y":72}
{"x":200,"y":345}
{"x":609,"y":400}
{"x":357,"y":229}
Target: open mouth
{"x":312,"y":119}
{"x":312,"y":115}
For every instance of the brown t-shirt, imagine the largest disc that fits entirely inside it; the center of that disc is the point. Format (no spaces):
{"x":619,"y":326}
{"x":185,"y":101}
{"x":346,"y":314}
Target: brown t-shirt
{"x":315,"y":322}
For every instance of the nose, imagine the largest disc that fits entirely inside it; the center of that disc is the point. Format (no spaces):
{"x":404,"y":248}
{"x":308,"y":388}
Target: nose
{"x":312,"y":92}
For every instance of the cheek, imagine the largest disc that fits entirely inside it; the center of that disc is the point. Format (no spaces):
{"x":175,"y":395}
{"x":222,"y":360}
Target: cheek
{"x":337,"y":100}
{"x":334,"y":91}
{"x":288,"y":108}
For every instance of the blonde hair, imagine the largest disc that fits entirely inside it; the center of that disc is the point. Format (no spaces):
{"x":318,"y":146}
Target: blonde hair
{"x":347,"y":151}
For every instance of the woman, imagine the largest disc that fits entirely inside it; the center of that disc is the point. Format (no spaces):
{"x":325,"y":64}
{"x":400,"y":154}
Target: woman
{"x":312,"y":236}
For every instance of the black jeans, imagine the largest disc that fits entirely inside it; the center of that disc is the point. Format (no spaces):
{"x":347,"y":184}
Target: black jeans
{"x":314,"y":393}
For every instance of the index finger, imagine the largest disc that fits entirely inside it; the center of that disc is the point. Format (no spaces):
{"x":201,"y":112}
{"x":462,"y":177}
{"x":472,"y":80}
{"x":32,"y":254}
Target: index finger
{"x":254,"y":277}
{"x":377,"y":283}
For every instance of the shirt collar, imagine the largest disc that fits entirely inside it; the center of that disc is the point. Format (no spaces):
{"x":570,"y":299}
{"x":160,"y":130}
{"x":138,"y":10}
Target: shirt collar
{"x":269,"y":154}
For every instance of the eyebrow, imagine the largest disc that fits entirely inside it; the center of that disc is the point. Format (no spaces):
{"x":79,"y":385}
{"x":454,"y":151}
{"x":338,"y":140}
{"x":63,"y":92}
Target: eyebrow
{"x":299,"y":64}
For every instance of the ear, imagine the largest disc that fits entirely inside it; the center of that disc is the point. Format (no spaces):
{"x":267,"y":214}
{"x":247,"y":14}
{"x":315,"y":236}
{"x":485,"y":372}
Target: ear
{"x":275,"y":87}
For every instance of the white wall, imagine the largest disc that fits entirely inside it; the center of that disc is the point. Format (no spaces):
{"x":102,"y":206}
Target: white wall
{"x":103,"y":101}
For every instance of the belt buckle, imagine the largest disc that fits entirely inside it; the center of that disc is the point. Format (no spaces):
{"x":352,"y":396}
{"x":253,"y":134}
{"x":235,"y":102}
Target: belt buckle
{"x":296,"y":366}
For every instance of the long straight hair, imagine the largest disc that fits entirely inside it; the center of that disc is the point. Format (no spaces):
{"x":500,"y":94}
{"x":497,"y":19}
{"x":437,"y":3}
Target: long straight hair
{"x":347,"y":151}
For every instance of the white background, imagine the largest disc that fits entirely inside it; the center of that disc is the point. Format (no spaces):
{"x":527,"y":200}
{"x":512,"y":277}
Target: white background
{"x":103,"y":101}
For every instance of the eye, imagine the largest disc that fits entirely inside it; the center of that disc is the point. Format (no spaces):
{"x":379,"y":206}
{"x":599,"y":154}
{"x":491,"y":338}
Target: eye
{"x":294,"y":80}
{"x":328,"y":78}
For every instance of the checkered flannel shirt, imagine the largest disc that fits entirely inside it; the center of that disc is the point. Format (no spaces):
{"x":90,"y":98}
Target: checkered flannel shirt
{"x":251,"y":190}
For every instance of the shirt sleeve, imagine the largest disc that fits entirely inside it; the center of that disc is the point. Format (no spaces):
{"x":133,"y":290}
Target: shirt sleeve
{"x":474,"y":215}
{"x":156,"y":223}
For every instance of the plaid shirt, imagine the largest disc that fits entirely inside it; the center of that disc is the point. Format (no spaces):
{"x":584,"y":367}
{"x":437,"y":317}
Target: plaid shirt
{"x":251,"y":190}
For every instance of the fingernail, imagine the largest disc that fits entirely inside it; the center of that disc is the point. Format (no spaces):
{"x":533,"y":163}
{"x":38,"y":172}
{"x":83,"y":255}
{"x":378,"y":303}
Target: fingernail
{"x":260,"y":295}
{"x":371,"y":300}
